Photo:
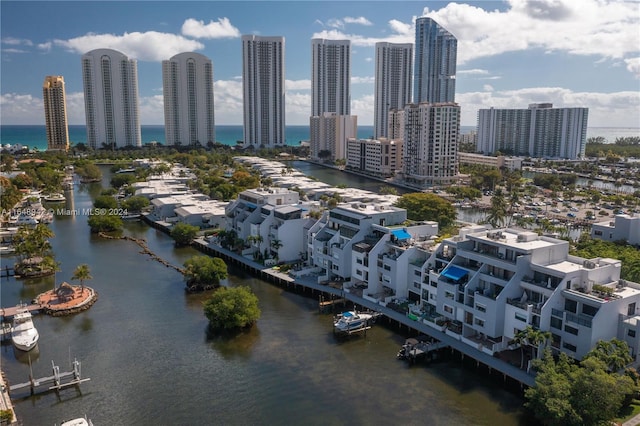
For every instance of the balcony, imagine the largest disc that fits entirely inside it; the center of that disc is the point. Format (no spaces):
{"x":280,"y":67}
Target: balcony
{"x":518,"y":304}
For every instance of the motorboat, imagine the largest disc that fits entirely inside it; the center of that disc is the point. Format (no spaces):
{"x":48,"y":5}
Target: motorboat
{"x":23,"y":333}
{"x":80,"y":421}
{"x":55,"y":198}
{"x":26,"y":220}
{"x":351,"y":321}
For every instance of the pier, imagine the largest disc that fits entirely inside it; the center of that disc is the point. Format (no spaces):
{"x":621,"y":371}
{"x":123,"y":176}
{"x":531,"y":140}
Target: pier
{"x":309,"y":284}
{"x":56,"y":381}
{"x":8,"y":313}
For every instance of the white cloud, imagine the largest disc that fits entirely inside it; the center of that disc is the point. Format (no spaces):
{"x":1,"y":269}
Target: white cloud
{"x":633,"y":66}
{"x":589,"y":27}
{"x":363,"y":108}
{"x":487,"y":88}
{"x":45,"y":46}
{"x":368,"y":59}
{"x":12,"y":50}
{"x":362,"y":80}
{"x":400,"y":33}
{"x":13,"y":41}
{"x":297,"y":84}
{"x":147,"y":46}
{"x":474,"y":71}
{"x":341,"y":22}
{"x":220,"y":29}
{"x":361,"y":20}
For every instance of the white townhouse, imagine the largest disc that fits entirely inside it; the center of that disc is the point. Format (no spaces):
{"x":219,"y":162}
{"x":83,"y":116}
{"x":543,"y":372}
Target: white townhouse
{"x":623,"y":227}
{"x":484,"y":285}
{"x":271,"y":221}
{"x":331,"y":239}
{"x":388,"y":262}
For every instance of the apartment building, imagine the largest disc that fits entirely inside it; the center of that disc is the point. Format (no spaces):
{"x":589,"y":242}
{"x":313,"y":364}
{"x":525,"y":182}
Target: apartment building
{"x":329,"y":133}
{"x":110,"y":81}
{"x":377,"y":157}
{"x":623,"y":227}
{"x":484,"y":285}
{"x":55,"y":113}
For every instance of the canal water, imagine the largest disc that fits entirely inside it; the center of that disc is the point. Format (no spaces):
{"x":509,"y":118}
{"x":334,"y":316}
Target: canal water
{"x":145,"y":348}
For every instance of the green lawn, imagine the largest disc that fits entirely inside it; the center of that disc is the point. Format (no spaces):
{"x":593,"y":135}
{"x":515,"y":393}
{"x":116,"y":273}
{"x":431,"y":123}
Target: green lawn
{"x":628,"y":412}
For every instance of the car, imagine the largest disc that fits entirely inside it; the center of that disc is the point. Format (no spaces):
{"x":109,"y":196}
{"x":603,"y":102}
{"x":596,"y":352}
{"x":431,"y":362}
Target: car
{"x":574,"y":209}
{"x":556,"y":210}
{"x":571,"y":215}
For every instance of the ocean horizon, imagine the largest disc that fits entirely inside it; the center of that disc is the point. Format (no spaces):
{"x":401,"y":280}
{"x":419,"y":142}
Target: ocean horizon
{"x":35,"y":136}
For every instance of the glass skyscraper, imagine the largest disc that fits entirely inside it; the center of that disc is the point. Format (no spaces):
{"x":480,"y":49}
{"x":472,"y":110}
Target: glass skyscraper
{"x":435,"y":63}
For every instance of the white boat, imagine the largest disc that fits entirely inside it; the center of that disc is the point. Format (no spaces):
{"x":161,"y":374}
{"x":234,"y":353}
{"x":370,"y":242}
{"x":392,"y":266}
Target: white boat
{"x":55,"y":198}
{"x":80,"y":421}
{"x":25,"y":219}
{"x":351,"y":320}
{"x":23,"y":333}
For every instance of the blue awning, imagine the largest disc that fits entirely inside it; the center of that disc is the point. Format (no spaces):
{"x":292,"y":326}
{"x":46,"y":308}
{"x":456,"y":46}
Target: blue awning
{"x":454,"y":273}
{"x":401,"y":234}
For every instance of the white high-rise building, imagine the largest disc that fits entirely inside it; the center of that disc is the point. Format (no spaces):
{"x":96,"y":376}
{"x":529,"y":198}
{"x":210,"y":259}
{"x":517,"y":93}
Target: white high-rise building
{"x":431,"y":143}
{"x":263,"y":86}
{"x":329,"y":134}
{"x":111,"y":99}
{"x":392,"y":82}
{"x":539,"y":131}
{"x":434,"y":77}
{"x":330,"y":76}
{"x":187,"y":82}
{"x":55,"y":113}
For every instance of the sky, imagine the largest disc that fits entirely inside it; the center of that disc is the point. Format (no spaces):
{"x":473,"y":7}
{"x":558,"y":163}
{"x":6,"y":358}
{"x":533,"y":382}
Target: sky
{"x":572,"y":53}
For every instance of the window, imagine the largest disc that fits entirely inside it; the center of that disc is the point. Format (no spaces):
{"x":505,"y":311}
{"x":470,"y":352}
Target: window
{"x":631,"y":333}
{"x":479,"y":322}
{"x":569,"y":347}
{"x":570,"y":305}
{"x":571,"y":330}
{"x":631,"y":309}
{"x":589,"y":310}
{"x":448,"y":309}
{"x":448,"y":295}
{"x":520,"y":317}
{"x":556,"y":323}
{"x":481,"y":308}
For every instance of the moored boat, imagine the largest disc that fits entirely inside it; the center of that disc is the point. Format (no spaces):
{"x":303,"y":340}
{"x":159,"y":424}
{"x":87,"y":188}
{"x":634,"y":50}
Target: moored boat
{"x":55,"y":198}
{"x":80,"y":421}
{"x":351,"y":320}
{"x":23,"y":333}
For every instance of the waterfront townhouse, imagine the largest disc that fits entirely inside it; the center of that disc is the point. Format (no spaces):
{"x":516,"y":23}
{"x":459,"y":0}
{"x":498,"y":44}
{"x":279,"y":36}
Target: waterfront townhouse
{"x":204,"y":213}
{"x":484,"y":285}
{"x":623,"y":227}
{"x":257,"y":216}
{"x":388,"y":262}
{"x":331,"y":239}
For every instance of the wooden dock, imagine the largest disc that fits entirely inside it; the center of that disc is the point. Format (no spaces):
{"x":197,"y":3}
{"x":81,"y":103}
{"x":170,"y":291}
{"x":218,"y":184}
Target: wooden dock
{"x":8,"y":313}
{"x":55,"y":382}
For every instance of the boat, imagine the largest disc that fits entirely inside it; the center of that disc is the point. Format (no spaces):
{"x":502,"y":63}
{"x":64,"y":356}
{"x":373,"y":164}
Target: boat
{"x":26,"y":220}
{"x":80,"y":421}
{"x":23,"y":333}
{"x":351,"y":321}
{"x":55,"y":198}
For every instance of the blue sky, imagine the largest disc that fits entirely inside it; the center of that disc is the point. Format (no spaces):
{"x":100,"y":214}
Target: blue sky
{"x":573,"y":53}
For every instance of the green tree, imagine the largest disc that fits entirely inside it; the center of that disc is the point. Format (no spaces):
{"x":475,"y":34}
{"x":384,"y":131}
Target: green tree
{"x":183,"y":233}
{"x":425,"y":206}
{"x":203,"y":272}
{"x":89,"y":172}
{"x":120,"y":179}
{"x":105,"y":202}
{"x":135,"y":203}
{"x":613,"y":353}
{"x":568,"y":394}
{"x":104,"y":222}
{"x":232,"y":308}
{"x":498,"y":209}
{"x":82,"y":273}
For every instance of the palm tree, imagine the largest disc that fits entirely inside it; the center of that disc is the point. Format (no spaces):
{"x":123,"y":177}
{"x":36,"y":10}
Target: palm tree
{"x":82,"y":272}
{"x":520,"y":338}
{"x":275,"y":245}
{"x":498,"y":210}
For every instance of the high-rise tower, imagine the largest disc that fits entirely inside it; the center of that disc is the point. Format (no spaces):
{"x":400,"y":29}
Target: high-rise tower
{"x":263,"y":90}
{"x":435,"y":63}
{"x":111,"y":99}
{"x":55,"y":113}
{"x":430,"y":152}
{"x":330,"y":76}
{"x":393,"y":82}
{"x":187,"y":81}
